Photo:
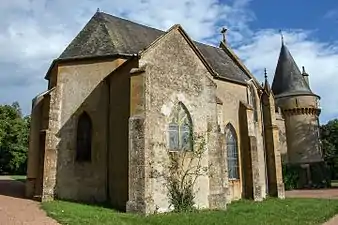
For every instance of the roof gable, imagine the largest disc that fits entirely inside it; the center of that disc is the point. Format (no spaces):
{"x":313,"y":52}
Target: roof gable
{"x":109,"y":35}
{"x":191,"y":43}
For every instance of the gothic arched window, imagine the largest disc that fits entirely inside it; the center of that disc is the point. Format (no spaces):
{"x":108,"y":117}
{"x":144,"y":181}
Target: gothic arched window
{"x":180,"y":129}
{"x":84,"y":138}
{"x":253,"y":102}
{"x":232,"y":152}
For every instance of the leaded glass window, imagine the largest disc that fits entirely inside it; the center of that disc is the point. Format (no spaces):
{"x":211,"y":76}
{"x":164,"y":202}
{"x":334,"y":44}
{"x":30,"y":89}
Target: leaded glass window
{"x":232,"y":152}
{"x":180,"y":129}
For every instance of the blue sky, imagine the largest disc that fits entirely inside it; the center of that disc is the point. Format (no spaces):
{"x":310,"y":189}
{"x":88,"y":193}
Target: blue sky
{"x":321,"y":16}
{"x":34,"y":32}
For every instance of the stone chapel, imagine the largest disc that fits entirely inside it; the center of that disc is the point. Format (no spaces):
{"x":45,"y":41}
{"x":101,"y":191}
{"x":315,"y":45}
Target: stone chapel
{"x":123,"y":96}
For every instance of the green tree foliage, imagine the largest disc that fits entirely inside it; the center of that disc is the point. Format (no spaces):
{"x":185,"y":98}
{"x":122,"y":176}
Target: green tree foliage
{"x":329,"y":138}
{"x":14,"y":132}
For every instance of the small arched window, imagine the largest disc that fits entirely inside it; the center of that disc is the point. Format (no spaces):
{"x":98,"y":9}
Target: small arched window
{"x":232,"y":152}
{"x":253,"y":102}
{"x":84,"y":138}
{"x":180,"y":129}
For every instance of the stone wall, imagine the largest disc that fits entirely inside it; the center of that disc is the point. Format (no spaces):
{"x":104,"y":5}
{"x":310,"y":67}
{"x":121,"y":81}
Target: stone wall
{"x":301,"y":123}
{"x":119,"y":112}
{"x":173,"y":74}
{"x":232,"y":95}
{"x":83,"y":89}
{"x":280,"y":122}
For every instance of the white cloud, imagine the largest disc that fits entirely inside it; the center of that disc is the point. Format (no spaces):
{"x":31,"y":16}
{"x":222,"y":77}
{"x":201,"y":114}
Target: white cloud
{"x":331,"y":14}
{"x":36,"y":31}
{"x":318,"y":58}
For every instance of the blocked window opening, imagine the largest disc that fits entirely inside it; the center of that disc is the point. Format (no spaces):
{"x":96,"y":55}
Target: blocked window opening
{"x":84,"y":138}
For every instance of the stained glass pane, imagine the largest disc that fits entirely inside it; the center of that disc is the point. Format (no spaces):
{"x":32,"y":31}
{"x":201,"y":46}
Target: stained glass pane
{"x":180,"y":129}
{"x":173,"y":136}
{"x":185,"y":139}
{"x":232,"y":154}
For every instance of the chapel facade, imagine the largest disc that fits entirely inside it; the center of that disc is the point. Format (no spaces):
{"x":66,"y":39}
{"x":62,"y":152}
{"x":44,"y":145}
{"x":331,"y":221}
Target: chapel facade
{"x":124,"y":98}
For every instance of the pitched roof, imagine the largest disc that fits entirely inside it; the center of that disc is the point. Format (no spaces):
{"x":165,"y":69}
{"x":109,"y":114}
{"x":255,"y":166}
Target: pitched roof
{"x":105,"y":35}
{"x":288,"y":79}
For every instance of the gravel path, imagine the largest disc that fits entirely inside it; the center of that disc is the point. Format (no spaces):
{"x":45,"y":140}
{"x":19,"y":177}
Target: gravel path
{"x":15,"y":209}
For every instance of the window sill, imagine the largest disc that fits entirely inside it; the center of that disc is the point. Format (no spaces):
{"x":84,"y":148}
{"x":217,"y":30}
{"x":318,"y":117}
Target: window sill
{"x":234,"y":179}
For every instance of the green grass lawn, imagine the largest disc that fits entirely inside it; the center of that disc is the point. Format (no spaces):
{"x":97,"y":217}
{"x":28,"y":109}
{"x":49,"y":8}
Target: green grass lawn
{"x":269,"y":212}
{"x":21,"y":178}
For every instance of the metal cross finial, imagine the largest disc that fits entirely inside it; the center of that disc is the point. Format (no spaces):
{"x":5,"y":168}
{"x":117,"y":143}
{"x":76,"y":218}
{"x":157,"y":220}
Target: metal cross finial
{"x":265,"y":74}
{"x":281,"y":35}
{"x":223,"y":31}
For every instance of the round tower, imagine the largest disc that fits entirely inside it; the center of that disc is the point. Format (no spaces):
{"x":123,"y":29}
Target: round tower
{"x":301,"y":110}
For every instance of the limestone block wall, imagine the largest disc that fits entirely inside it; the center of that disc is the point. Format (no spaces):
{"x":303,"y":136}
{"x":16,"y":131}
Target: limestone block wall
{"x":231,"y":95}
{"x":83,"y":89}
{"x":302,"y":128}
{"x":34,"y":150}
{"x":173,"y":74}
{"x":280,"y":122}
{"x":119,"y":114}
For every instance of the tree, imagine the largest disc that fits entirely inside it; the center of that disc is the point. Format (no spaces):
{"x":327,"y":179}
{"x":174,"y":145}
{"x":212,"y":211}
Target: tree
{"x":14,"y":132}
{"x":329,"y":138}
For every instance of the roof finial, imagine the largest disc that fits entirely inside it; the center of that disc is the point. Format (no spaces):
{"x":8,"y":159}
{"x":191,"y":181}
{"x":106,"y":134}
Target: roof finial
{"x":303,"y":67}
{"x":98,"y":10}
{"x":223,"y":31}
{"x":281,"y":35}
{"x":266,"y":82}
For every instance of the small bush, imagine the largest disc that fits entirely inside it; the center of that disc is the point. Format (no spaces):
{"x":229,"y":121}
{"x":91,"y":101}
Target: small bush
{"x":290,"y":176}
{"x":181,"y":197}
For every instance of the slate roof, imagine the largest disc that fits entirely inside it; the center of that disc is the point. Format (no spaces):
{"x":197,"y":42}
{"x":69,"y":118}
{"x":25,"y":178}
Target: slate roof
{"x":105,"y":34}
{"x":288,"y":79}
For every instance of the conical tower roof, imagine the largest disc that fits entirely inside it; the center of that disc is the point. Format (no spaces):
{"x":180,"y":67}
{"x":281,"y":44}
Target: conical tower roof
{"x":288,"y":79}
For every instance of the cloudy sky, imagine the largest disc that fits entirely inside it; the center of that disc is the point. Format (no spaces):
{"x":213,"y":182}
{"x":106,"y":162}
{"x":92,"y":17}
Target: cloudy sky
{"x":34,"y":32}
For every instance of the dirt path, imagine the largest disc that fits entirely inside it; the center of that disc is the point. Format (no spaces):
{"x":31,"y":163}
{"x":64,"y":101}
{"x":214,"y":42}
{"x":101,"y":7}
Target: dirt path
{"x":321,"y":193}
{"x":15,"y":209}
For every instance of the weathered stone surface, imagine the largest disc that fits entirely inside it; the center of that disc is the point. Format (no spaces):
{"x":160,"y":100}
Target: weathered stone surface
{"x":130,"y":103}
{"x":178,"y":78}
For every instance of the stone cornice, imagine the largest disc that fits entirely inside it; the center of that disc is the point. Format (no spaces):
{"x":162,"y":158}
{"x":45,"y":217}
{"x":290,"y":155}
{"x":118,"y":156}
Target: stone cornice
{"x":300,"y":111}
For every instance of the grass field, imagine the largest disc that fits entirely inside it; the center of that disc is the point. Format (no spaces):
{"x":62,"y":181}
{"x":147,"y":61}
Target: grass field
{"x":271,"y":211}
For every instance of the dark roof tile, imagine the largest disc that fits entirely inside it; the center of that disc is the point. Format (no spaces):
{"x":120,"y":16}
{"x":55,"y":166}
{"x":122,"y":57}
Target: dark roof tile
{"x":107,"y":35}
{"x":288,"y":79}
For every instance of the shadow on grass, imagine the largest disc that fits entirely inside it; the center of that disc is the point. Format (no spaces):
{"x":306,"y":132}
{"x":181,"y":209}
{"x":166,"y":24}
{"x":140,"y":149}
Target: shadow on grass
{"x":106,"y":204}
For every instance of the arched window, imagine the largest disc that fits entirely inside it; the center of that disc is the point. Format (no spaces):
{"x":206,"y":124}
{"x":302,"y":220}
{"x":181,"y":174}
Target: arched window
{"x":180,"y":129}
{"x":253,"y":102}
{"x":84,"y":138}
{"x":232,"y":152}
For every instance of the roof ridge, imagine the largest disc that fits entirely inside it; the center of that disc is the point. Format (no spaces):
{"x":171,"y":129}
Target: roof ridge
{"x":149,"y":27}
{"x":101,"y":17}
{"x":108,"y":35}
{"x":129,"y":21}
